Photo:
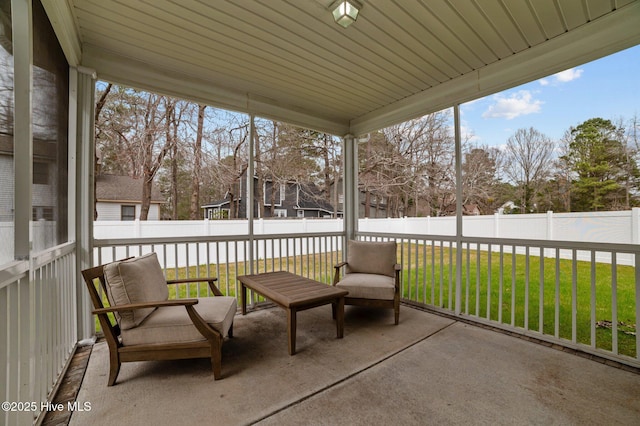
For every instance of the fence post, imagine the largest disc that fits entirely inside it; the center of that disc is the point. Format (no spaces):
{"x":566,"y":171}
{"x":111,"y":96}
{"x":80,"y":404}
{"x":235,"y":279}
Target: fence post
{"x":549,"y":225}
{"x":635,"y":225}
{"x":496,"y":225}
{"x":136,"y":226}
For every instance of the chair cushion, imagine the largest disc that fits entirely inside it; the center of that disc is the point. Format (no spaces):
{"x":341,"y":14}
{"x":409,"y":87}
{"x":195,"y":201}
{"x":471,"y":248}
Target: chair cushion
{"x":135,"y":280}
{"x":368,"y":286}
{"x":371,"y":257}
{"x":171,"y":324}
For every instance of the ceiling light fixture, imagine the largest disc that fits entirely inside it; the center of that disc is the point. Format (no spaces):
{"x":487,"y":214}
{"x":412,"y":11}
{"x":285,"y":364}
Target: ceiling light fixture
{"x":345,"y":12}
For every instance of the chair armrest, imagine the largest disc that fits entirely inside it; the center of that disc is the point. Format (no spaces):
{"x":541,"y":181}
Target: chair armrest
{"x":191,"y":280}
{"x":340,"y":265}
{"x":158,"y":304}
{"x":336,"y":276}
{"x":211,"y":280}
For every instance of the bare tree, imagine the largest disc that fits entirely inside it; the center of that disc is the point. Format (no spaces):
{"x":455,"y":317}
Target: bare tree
{"x":99,"y":106}
{"x":479,"y":177}
{"x":152,"y":158}
{"x":422,"y":163}
{"x":235,"y":167}
{"x":528,"y":160}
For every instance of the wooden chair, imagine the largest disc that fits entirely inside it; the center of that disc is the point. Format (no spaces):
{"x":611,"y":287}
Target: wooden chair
{"x":151,"y":327}
{"x":371,"y":275}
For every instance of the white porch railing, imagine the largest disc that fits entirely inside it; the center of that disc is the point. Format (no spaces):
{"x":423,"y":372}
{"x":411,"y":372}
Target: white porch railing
{"x":538,"y":288}
{"x":226,"y":257}
{"x":38,"y":331}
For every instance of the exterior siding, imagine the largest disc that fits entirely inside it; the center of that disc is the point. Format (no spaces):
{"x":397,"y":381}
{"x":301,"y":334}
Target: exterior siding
{"x":112,"y":211}
{"x":6,"y":195}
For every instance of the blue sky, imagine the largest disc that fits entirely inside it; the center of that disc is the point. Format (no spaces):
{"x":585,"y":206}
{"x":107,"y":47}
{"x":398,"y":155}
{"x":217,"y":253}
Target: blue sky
{"x":607,"y":88}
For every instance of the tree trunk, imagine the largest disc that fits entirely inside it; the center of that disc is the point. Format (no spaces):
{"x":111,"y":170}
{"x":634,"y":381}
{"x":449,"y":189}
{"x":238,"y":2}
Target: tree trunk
{"x":260,"y":173}
{"x":197,"y":165}
{"x":151,"y":164}
{"x":172,"y":125}
{"x":147,"y":181}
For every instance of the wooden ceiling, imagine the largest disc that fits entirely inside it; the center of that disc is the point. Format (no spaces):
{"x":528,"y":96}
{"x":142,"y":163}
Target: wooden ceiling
{"x":288,"y":60}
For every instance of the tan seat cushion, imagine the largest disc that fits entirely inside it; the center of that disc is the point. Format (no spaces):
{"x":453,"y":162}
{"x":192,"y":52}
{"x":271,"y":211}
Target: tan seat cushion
{"x":368,"y":286}
{"x":371,"y":257}
{"x":136,"y":280}
{"x":172,"y":324}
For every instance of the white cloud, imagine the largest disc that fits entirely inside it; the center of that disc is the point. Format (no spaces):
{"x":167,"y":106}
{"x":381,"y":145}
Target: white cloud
{"x":568,"y":75}
{"x":562,"y":77}
{"x":519,"y":103}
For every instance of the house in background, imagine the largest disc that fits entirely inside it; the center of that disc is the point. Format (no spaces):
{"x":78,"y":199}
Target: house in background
{"x":119,"y":198}
{"x":289,"y":200}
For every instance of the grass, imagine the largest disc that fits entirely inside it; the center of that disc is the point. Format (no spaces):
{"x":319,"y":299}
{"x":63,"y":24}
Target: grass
{"x":429,"y":277}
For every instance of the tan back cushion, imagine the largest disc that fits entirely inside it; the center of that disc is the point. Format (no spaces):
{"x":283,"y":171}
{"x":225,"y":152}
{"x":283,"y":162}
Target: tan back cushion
{"x":371,"y":257}
{"x":135,"y":280}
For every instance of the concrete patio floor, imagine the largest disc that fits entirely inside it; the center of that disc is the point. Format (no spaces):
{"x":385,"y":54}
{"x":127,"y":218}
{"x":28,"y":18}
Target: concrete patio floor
{"x":427,"y":370}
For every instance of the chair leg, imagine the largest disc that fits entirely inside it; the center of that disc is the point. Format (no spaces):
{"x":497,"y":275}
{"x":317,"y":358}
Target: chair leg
{"x":230,"y":332}
{"x":396,"y":309}
{"x":216,"y":358}
{"x":114,"y":368}
{"x":333,"y":310}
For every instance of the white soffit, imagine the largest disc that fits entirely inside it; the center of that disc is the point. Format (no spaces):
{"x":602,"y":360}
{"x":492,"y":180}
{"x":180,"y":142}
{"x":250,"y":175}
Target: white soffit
{"x":287,"y":60}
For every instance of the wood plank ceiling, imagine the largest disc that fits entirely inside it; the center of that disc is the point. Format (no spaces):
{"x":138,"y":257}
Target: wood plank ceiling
{"x":288,"y":60}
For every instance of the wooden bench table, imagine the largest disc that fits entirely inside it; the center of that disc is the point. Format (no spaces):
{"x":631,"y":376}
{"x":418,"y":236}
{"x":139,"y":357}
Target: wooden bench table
{"x":294,"y":293}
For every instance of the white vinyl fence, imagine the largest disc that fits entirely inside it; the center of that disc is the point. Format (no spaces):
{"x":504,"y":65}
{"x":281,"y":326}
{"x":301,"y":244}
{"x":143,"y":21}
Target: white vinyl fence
{"x":620,"y":227}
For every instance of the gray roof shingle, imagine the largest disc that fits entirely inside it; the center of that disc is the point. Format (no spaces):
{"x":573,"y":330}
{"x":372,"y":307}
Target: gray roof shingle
{"x":123,"y":188}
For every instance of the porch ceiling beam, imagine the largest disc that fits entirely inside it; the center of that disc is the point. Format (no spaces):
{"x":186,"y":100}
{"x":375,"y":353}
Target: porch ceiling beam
{"x":123,"y":70}
{"x":64,"y":25}
{"x":611,"y":33}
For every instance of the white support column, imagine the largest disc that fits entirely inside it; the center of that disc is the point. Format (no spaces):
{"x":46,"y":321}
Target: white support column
{"x":24,"y":319}
{"x":72,"y":154}
{"x":84,"y":186}
{"x":250,"y":189}
{"x":22,"y":127}
{"x":458,"y":149}
{"x":350,"y":149}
